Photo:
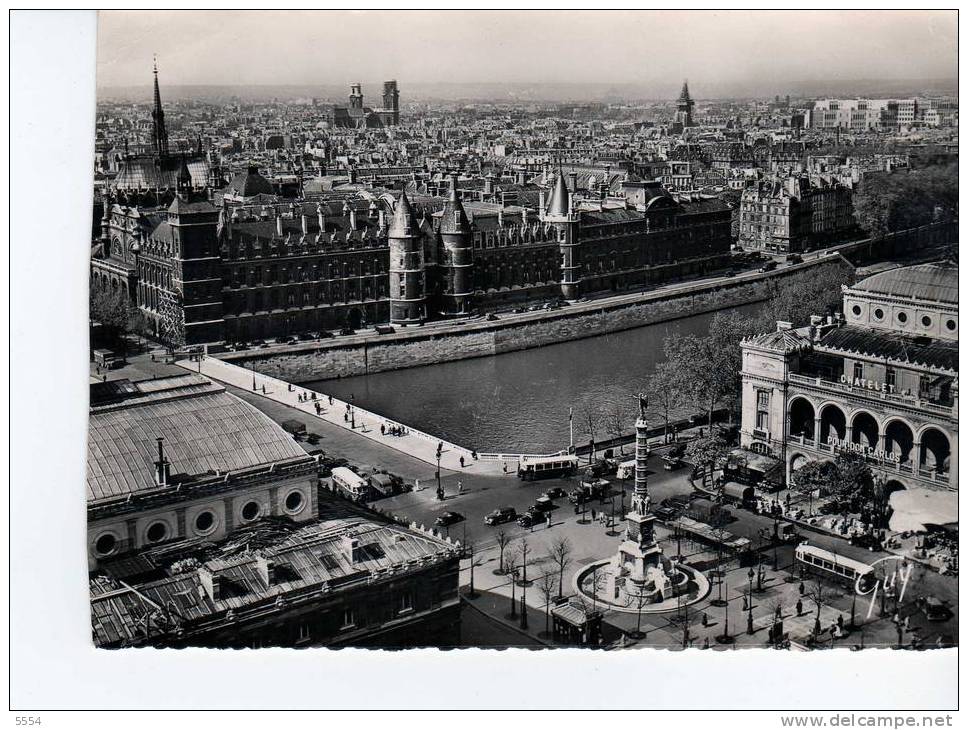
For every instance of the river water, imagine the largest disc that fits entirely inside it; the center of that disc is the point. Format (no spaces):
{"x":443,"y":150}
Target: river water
{"x":519,"y":401}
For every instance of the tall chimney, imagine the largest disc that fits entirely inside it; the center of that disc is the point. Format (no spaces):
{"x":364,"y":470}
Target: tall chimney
{"x":573,"y":181}
{"x":321,"y":217}
{"x":278,"y":224}
{"x":161,"y":466}
{"x":305,"y":224}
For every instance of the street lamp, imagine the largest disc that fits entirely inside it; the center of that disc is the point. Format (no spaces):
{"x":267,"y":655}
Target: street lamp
{"x":749,"y":615}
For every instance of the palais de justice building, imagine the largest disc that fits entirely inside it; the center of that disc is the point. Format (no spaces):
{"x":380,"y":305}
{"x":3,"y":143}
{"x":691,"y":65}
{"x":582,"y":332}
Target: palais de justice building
{"x":880,"y":380}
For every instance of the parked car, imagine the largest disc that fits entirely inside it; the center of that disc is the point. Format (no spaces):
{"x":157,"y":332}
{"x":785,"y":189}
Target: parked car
{"x":259,"y":343}
{"x":500,"y":516}
{"x":768,"y":266}
{"x":935,"y":610}
{"x":347,"y":331}
{"x":665,"y":513}
{"x":383,"y":329}
{"x":324,"y":335}
{"x":491,"y":317}
{"x":794,"y":258}
{"x":554,"y":493}
{"x":449,"y":518}
{"x":543,"y":504}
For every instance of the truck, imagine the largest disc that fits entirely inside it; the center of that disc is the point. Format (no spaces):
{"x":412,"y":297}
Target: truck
{"x":588,"y":491}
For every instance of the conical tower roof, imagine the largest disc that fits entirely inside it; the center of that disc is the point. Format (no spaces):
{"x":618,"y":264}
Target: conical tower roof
{"x":403,"y":224}
{"x":558,"y":205}
{"x":684,"y":94}
{"x":454,"y":219}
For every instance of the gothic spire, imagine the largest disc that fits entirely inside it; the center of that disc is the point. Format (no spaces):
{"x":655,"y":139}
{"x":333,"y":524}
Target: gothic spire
{"x":158,"y":131}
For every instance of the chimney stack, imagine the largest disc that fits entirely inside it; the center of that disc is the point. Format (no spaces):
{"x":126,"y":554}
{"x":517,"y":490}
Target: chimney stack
{"x":267,"y":570}
{"x":321,"y":217}
{"x":573,"y":181}
{"x":305,"y":224}
{"x":351,"y":548}
{"x":278,"y":224}
{"x":211,"y":583}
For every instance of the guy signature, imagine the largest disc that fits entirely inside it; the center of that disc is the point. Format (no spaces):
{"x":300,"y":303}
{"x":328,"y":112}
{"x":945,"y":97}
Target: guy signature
{"x":864,"y":586}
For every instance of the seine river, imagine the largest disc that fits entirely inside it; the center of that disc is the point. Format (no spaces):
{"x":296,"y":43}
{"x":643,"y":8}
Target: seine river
{"x":519,"y":401}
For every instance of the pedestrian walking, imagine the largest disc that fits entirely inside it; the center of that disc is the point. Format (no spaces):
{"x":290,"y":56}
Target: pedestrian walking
{"x":330,"y":399}
{"x":460,"y":487}
{"x":799,"y":607}
{"x":504,"y":466}
{"x":462,"y":462}
{"x":318,"y":409}
{"x":548,"y":520}
{"x":383,"y":430}
{"x":593,"y":513}
{"x":705,"y":620}
{"x":263,"y":389}
{"x":801,"y":588}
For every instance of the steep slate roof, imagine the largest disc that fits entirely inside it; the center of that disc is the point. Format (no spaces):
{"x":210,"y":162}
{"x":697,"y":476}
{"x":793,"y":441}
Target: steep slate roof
{"x":893,"y":346}
{"x":558,"y":205}
{"x":204,"y":427}
{"x":250,"y":183}
{"x":937,"y":282}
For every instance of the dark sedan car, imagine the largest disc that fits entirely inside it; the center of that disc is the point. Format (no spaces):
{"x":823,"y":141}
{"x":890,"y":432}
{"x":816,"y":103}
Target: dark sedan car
{"x":449,"y":518}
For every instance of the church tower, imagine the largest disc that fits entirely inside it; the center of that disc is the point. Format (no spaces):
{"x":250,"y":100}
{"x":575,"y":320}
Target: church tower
{"x":458,"y":255}
{"x":391,"y":102}
{"x":684,"y":105}
{"x":408,"y":299}
{"x":356,"y":97}
{"x":561,"y":215}
{"x":159,"y":134}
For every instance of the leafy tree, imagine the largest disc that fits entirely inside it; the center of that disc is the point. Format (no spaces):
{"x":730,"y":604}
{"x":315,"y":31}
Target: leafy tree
{"x":707,"y":451}
{"x":888,"y":202}
{"x":821,"y":292}
{"x":814,"y":476}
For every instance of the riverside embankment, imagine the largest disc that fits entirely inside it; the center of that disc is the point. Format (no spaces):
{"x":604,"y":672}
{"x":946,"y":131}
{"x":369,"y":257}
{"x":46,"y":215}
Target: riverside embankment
{"x":434,"y":343}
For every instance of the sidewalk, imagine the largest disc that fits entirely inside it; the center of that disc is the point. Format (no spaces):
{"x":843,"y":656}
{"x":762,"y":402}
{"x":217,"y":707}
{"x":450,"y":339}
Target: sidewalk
{"x":352,"y":419}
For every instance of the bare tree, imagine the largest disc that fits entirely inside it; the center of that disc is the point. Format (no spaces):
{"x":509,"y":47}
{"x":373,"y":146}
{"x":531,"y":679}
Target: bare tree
{"x":589,"y":421}
{"x":561,"y":555}
{"x":546,"y":584}
{"x":664,"y":392}
{"x":502,"y":545}
{"x":616,"y":421}
{"x":524,"y":550}
{"x":474,"y":563}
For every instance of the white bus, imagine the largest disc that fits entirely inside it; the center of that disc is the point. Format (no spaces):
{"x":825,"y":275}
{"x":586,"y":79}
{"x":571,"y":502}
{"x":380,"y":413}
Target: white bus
{"x":823,"y":562}
{"x":351,"y":483}
{"x":541,"y":467}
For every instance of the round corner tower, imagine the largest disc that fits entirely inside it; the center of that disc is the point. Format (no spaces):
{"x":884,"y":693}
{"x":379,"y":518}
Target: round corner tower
{"x":458,"y":259}
{"x":561,"y":214}
{"x":408,"y":299}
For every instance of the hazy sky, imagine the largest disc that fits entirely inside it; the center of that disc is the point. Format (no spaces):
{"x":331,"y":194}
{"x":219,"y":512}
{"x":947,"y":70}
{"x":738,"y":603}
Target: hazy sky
{"x":647,"y":47}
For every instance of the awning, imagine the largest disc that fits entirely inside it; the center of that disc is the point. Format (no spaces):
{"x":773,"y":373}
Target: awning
{"x":751,"y":460}
{"x":915,"y":508}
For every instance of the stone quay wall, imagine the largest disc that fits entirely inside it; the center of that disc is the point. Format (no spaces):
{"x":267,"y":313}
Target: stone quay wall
{"x":415,"y":346}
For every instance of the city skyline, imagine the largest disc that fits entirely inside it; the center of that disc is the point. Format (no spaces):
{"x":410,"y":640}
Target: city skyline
{"x":294,"y":49}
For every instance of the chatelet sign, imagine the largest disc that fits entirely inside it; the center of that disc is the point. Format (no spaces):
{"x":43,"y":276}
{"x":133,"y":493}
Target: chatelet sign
{"x":868,"y":384}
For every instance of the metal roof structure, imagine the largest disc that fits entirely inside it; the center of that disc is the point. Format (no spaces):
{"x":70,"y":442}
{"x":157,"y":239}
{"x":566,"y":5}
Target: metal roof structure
{"x":206,"y":430}
{"x":935,"y":282}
